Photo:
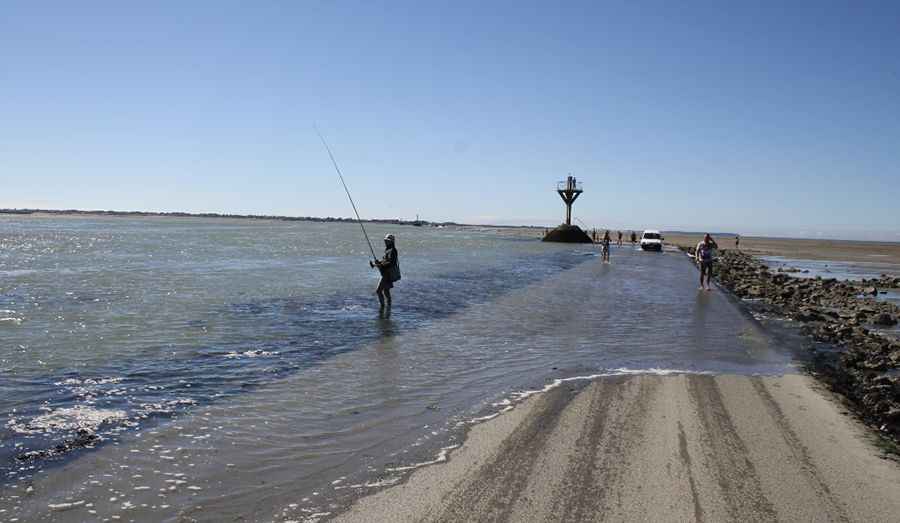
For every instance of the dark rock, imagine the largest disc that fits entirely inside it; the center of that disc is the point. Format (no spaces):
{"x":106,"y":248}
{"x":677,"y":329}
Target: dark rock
{"x":862,"y":365}
{"x":808,"y":315}
{"x":82,"y":439}
{"x":893,"y":413}
{"x":885,"y":320}
{"x":567,"y":234}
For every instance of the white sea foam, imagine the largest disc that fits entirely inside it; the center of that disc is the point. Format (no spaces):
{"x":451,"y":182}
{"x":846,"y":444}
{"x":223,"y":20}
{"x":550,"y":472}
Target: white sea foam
{"x":70,"y":418}
{"x":59,"y":507}
{"x":10,"y":321}
{"x":146,"y":409}
{"x":315,"y":517}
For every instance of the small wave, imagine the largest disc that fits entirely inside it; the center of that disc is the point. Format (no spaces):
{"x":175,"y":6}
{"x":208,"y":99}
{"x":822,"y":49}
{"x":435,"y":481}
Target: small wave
{"x":59,"y":507}
{"x":378,"y":483}
{"x":515,"y":398}
{"x":488,"y":417}
{"x":18,"y":272}
{"x":342,"y":311}
{"x":254,"y":353}
{"x":441,"y":457}
{"x":164,"y":407}
{"x":10,"y":321}
{"x":88,"y":381}
{"x":622,"y":371}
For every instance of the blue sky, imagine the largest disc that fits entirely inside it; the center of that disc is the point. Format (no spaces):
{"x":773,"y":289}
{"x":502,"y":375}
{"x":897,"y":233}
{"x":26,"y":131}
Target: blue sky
{"x":761,"y":118}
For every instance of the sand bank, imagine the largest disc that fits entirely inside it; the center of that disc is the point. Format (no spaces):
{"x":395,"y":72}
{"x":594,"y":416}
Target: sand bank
{"x":802,"y":249}
{"x":652,"y":448}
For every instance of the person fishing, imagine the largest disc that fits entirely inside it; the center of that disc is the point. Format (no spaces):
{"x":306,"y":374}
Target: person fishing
{"x":389,"y":266}
{"x":704,"y":255}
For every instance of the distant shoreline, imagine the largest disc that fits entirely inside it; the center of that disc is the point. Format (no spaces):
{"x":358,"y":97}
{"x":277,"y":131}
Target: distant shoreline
{"x":852,"y":251}
{"x":775,"y":245}
{"x":328,"y":219}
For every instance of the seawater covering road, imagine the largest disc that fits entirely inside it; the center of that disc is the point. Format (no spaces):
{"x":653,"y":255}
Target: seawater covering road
{"x":314,"y":401}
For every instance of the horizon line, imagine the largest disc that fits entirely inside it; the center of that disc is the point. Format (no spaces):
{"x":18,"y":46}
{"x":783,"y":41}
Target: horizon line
{"x":394,"y":221}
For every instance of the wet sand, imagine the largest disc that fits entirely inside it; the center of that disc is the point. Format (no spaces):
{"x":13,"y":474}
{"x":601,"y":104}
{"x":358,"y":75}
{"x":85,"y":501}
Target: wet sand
{"x":802,"y":249}
{"x":654,"y":448}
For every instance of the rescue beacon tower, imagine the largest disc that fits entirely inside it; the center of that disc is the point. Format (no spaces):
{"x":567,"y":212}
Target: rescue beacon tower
{"x":569,"y":190}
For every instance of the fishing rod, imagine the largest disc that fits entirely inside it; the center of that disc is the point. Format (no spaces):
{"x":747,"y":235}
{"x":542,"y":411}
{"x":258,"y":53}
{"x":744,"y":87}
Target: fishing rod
{"x":341,"y":176}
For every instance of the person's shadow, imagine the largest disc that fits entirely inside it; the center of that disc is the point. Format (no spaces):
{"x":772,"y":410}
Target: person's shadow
{"x":702,"y":307}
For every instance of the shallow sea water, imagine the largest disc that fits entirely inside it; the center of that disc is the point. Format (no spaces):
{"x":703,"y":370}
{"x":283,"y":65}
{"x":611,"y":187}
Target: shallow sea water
{"x":240,"y":369}
{"x":831,"y":269}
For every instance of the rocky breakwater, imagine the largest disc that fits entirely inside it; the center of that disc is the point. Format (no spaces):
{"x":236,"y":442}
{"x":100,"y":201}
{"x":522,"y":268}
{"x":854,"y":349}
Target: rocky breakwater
{"x":567,"y":234}
{"x":865,"y":367}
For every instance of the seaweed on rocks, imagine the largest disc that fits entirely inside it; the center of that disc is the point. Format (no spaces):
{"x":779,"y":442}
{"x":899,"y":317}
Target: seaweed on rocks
{"x":865,"y":365}
{"x":82,"y":439}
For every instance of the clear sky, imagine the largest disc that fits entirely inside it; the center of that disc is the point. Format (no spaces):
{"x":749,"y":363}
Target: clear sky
{"x":761,"y":118}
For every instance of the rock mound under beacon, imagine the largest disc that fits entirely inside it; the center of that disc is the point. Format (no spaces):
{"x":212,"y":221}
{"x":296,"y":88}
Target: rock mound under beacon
{"x":567,"y":234}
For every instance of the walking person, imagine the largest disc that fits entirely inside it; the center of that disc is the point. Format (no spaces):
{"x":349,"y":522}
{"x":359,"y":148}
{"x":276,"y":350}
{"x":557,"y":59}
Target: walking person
{"x":389,"y":266}
{"x":633,"y":238}
{"x":605,"y":243}
{"x":704,"y":255}
{"x":737,"y":242}
{"x":619,"y":241}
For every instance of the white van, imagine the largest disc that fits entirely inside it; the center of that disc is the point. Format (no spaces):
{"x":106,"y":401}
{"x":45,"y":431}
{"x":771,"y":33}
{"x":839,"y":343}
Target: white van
{"x":651,"y":240}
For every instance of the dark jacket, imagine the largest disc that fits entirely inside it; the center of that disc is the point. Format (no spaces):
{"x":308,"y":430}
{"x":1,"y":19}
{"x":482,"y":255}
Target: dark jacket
{"x":390,"y":265}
